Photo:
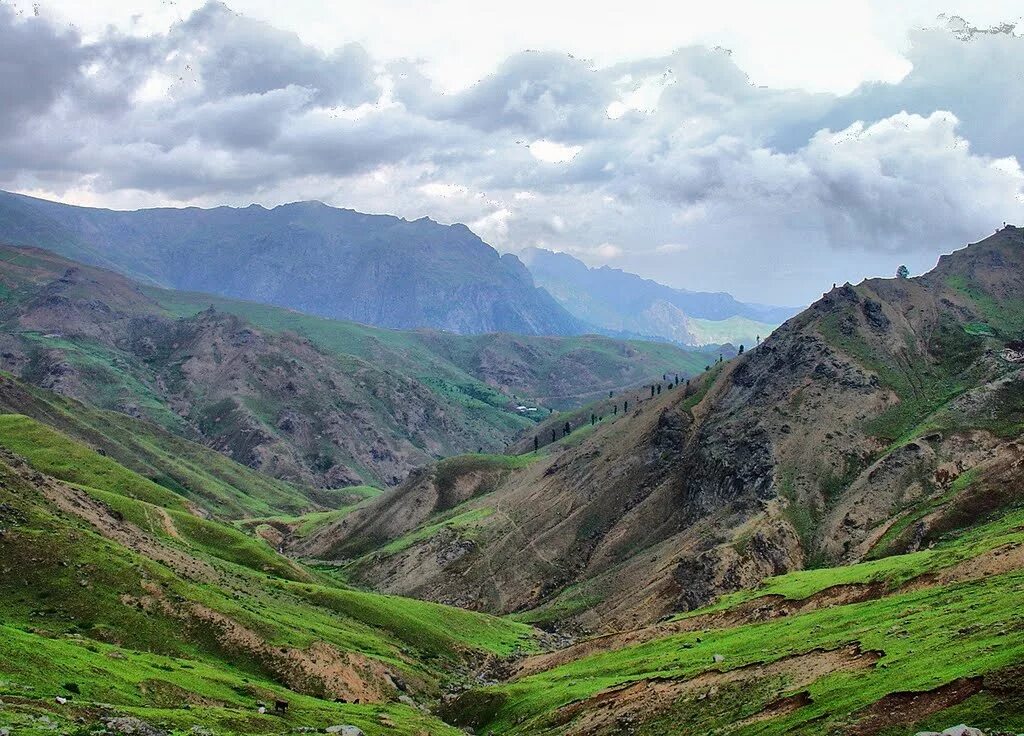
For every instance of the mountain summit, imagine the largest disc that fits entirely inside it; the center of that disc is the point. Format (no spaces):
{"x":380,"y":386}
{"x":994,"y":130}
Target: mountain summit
{"x":375,"y":269}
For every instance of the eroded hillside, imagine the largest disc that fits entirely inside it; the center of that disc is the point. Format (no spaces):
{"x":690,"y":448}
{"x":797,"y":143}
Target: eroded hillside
{"x":879,"y":418}
{"x":304,"y":399}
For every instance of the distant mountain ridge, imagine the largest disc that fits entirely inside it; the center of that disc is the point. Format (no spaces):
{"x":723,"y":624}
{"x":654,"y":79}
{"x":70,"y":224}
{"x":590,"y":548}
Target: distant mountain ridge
{"x":309,"y":400}
{"x":616,"y":301}
{"x":374,"y":269}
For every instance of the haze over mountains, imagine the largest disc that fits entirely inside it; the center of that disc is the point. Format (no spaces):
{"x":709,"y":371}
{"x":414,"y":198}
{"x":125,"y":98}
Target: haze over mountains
{"x":616,"y":301}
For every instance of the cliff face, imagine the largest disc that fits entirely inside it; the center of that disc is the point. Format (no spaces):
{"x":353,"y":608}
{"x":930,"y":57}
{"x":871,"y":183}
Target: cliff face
{"x":881,"y":415}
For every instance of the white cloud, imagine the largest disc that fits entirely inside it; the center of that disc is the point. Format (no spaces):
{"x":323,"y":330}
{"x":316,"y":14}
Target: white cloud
{"x":552,"y":152}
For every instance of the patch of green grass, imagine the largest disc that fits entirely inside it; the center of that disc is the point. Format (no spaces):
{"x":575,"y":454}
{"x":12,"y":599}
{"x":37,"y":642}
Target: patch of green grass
{"x":911,"y":629}
{"x":461,"y":522}
{"x":190,"y":470}
{"x":112,"y":378}
{"x":449,"y":470}
{"x":52,"y":453}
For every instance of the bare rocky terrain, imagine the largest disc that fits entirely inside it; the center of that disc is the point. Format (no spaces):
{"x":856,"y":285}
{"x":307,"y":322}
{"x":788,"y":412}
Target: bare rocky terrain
{"x":882,"y":416}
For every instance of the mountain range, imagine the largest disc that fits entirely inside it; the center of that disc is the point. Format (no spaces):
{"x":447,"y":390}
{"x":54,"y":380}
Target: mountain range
{"x":378,"y":270}
{"x":617,"y":302}
{"x":374,"y":269}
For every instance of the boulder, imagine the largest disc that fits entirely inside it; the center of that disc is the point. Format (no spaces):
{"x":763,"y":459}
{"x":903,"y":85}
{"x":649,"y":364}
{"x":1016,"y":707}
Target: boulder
{"x":962,"y":730}
{"x":345,"y":730}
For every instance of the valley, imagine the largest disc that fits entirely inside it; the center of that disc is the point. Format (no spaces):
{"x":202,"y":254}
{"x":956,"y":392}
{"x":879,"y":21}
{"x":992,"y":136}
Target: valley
{"x":823,"y":534}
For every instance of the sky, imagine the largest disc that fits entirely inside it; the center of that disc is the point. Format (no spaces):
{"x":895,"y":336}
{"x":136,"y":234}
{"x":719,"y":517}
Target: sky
{"x":764,"y":149}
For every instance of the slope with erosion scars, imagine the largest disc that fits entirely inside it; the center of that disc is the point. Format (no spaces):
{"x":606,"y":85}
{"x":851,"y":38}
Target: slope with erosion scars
{"x":875,"y":401}
{"x":309,"y":400}
{"x":770,"y":664}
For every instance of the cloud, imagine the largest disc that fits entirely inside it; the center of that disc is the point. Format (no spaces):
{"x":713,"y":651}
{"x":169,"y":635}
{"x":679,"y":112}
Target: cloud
{"x":674,"y":166}
{"x":552,"y":152}
{"x":230,"y":54}
{"x":38,"y":63}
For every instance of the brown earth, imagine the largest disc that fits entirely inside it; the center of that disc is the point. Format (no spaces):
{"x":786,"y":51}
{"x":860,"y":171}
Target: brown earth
{"x":773,"y":460}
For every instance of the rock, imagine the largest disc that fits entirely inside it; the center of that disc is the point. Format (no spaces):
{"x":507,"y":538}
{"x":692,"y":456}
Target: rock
{"x":718,"y":658}
{"x":345,"y":730}
{"x":262,"y":709}
{"x":60,"y":700}
{"x":403,"y":698}
{"x":131,"y":726}
{"x":963,"y":730}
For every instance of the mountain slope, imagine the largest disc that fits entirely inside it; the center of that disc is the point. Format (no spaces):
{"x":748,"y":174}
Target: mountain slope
{"x":624,"y":303}
{"x":121,"y":605}
{"x":373,"y":269}
{"x":880,"y":417}
{"x":863,"y":649}
{"x":310,"y":400}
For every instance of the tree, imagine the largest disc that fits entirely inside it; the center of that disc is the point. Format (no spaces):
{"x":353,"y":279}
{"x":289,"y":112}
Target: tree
{"x":758,"y":339}
{"x":659,"y":388}
{"x":652,"y":390}
{"x":566,"y":429}
{"x":536,"y":443}
{"x":902,"y":272}
{"x":552,"y":435}
{"x":593,"y":419}
{"x":609,"y":394}
{"x":740,"y":350}
{"x":625,"y":406}
{"x":615,"y":410}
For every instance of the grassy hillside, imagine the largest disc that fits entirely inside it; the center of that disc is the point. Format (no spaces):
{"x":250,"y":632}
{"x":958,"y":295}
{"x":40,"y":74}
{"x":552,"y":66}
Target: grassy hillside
{"x":872,"y":423}
{"x":482,"y":372}
{"x":119,"y":599}
{"x":861,"y":649}
{"x":195,"y":473}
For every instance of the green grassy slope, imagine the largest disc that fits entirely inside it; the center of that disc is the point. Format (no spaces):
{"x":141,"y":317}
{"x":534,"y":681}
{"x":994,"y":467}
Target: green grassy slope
{"x":928,"y":629}
{"x":463,"y":368}
{"x":111,"y":592}
{"x":271,"y":400}
{"x":196,"y":473}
